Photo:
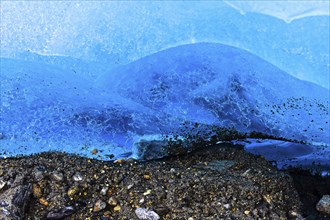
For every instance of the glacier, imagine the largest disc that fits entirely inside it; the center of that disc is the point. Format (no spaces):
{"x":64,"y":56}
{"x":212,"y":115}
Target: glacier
{"x":80,"y":76}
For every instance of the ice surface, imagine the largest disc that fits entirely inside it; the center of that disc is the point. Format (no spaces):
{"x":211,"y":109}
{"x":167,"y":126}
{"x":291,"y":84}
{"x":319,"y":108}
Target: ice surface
{"x":82,"y":75}
{"x":285,"y":10}
{"x":163,"y":94}
{"x":120,"y":32}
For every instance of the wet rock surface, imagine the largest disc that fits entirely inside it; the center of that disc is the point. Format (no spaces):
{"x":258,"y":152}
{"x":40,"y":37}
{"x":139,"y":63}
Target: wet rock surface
{"x":323,"y":205}
{"x":311,"y":189}
{"x":219,"y":182}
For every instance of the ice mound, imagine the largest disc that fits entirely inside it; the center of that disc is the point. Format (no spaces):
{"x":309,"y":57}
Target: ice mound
{"x":188,"y":91}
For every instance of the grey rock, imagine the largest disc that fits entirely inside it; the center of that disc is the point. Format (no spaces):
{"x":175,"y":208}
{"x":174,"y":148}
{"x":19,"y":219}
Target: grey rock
{"x":2,"y":184}
{"x":144,"y":214}
{"x":77,"y":177}
{"x":60,"y":213}
{"x":38,"y":173}
{"x":14,"y":200}
{"x":104,"y":190}
{"x":57,"y":176}
{"x":323,"y":205}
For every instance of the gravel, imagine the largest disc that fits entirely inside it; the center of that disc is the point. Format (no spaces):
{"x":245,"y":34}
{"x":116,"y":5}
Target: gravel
{"x":217,"y":182}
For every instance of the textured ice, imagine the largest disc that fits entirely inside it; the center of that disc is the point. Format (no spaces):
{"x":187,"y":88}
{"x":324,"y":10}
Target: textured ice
{"x":120,"y":32}
{"x":82,"y":75}
{"x":163,"y":94}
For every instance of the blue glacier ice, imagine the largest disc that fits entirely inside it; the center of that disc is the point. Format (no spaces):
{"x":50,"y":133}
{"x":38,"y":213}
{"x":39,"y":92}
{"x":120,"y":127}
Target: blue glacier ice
{"x":82,"y":75}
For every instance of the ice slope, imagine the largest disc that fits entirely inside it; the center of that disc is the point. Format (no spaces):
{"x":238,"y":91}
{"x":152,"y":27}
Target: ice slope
{"x":216,"y":84}
{"x":46,"y":107}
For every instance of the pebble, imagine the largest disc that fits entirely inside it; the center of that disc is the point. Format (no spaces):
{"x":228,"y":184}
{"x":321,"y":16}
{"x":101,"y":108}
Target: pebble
{"x":94,"y":151}
{"x":60,"y":213}
{"x":3,"y":204}
{"x":106,"y":214}
{"x":144,"y":214}
{"x":116,"y":208}
{"x":43,"y":201}
{"x":99,"y":205}
{"x":5,"y":211}
{"x":57,"y":176}
{"x":112,"y":201}
{"x":227,"y":206}
{"x":147,"y":177}
{"x":77,"y":177}
{"x":38,"y":173}
{"x":36,"y":190}
{"x":2,"y":184}
{"x":147,"y":192}
{"x":72,"y":191}
{"x":323,"y":205}
{"x":104,"y":190}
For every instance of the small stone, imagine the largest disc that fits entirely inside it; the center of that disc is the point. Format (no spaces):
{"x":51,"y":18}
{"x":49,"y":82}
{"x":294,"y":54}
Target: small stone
{"x":110,"y":192}
{"x":268,"y":198}
{"x":72,"y":191}
{"x":36,"y":190}
{"x":77,"y":177}
{"x":3,"y":204}
{"x":190,"y":218}
{"x":144,"y":214}
{"x":130,"y":186}
{"x":147,"y":192}
{"x":323,"y":205}
{"x":94,"y":151}
{"x":112,"y":201}
{"x":172,"y":170}
{"x":161,"y":210}
{"x":2,"y":184}
{"x":246,"y":212}
{"x":227,"y":206}
{"x":107,"y":214}
{"x":38,"y":173}
{"x":147,"y":177}
{"x":119,"y":161}
{"x":5,"y":212}
{"x":57,"y":176}
{"x":99,"y":205}
{"x":141,"y":201}
{"x":60,"y":213}
{"x":43,"y":201}
{"x":116,"y":208}
{"x":104,"y":190}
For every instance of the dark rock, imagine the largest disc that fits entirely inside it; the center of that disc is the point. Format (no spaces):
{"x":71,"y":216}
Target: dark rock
{"x":60,"y":213}
{"x":15,"y":200}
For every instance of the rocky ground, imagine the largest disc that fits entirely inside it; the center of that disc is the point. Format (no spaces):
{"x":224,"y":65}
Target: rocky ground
{"x":218,"y":182}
